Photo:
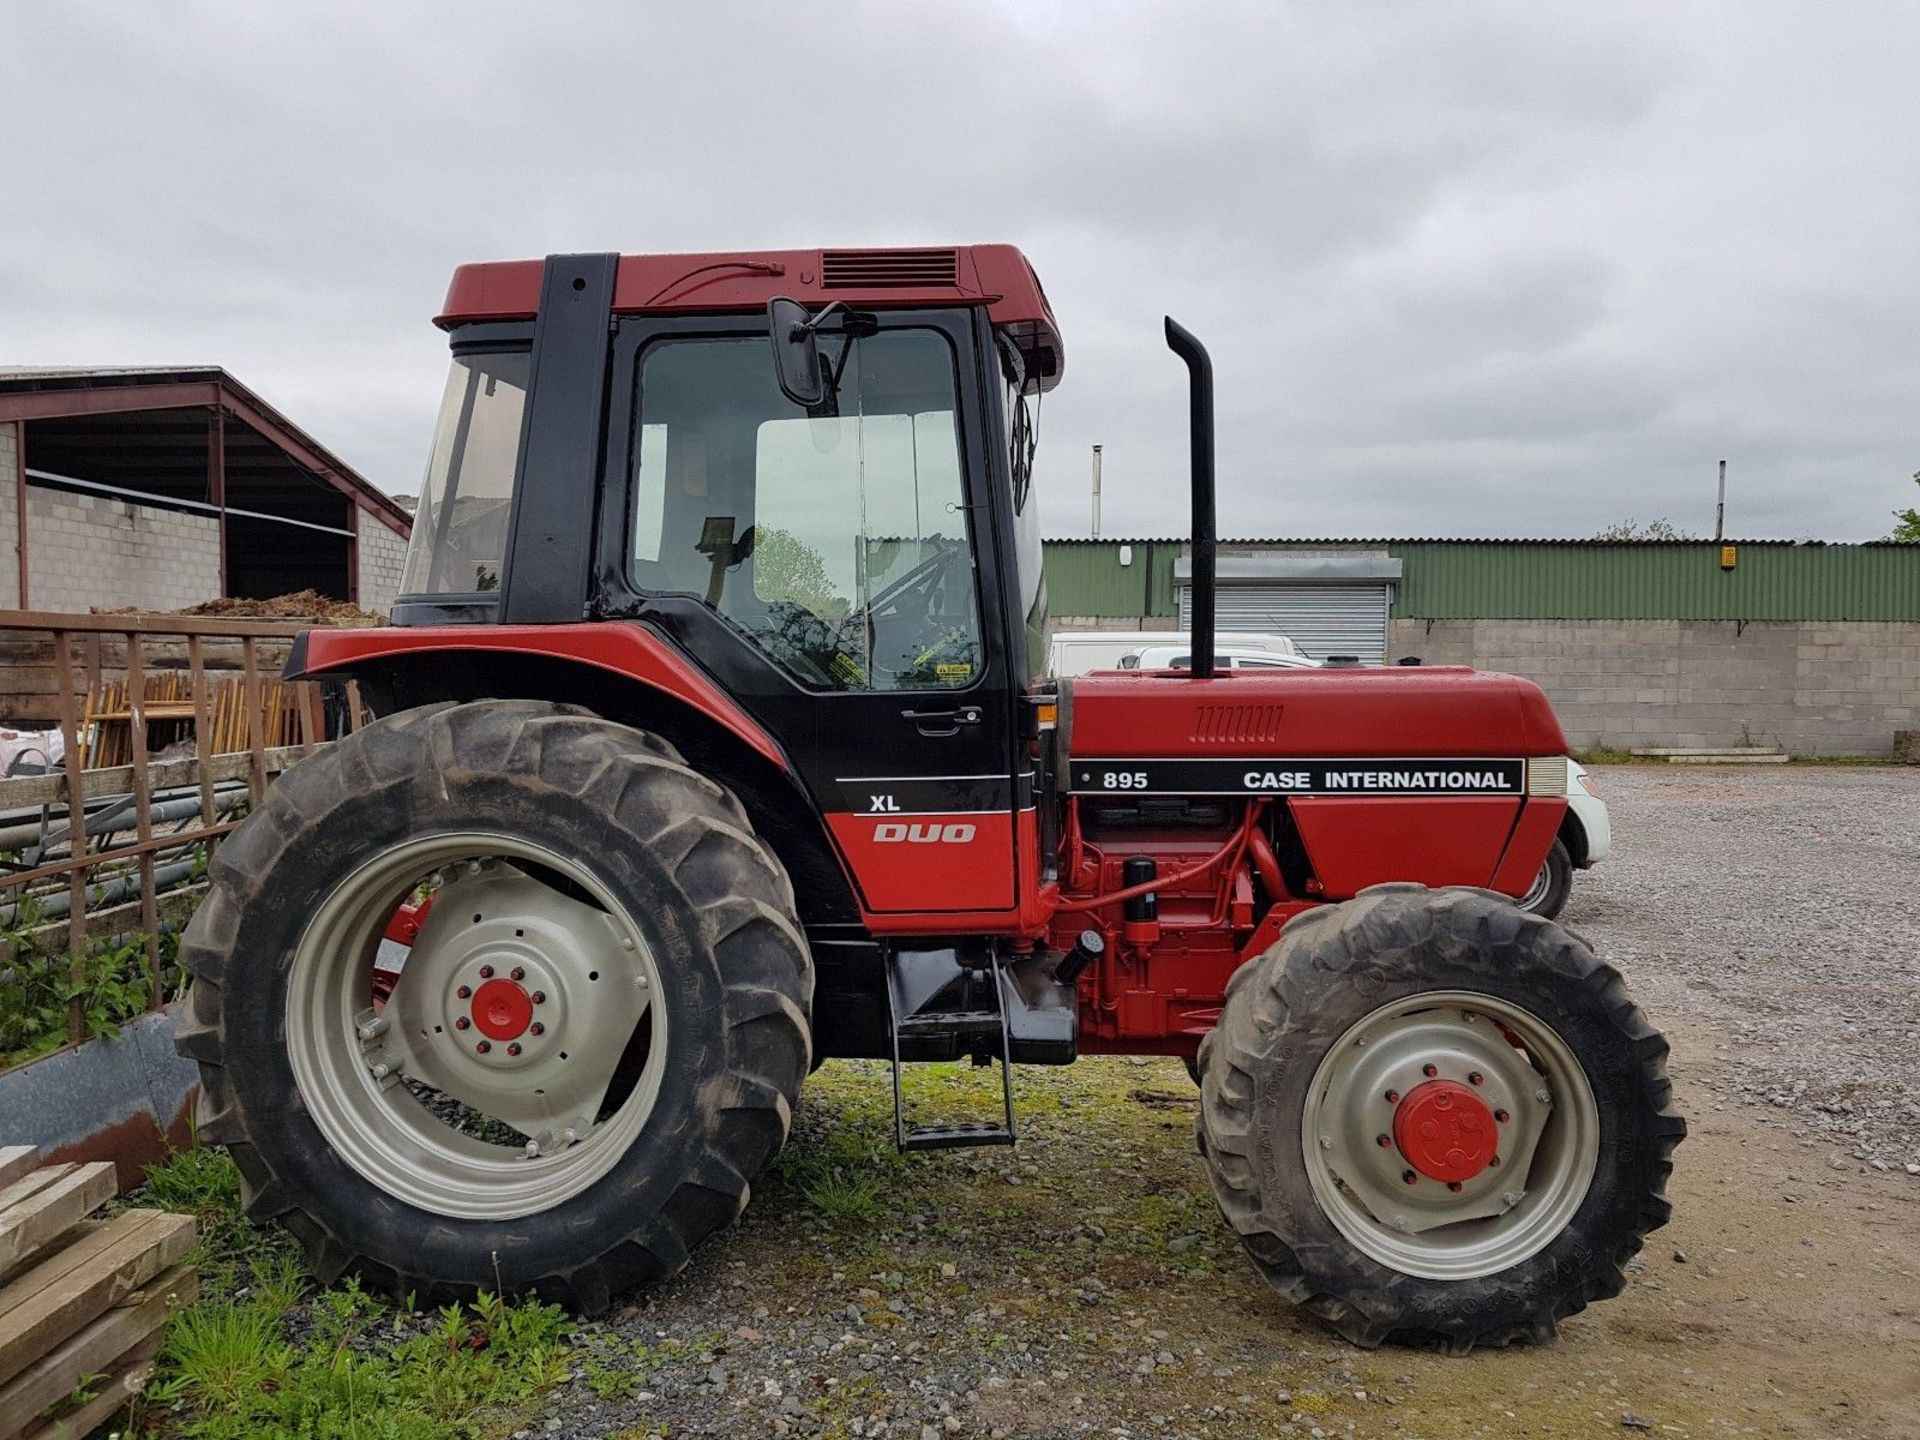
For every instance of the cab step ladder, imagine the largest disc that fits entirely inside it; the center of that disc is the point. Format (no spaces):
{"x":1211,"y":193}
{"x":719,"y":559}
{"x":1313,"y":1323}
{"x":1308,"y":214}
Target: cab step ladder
{"x":935,"y":1001}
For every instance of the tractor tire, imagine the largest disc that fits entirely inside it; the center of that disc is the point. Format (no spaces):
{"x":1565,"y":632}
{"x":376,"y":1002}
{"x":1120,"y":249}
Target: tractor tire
{"x":1552,"y":886}
{"x":1320,"y":1088}
{"x":669,"y":895}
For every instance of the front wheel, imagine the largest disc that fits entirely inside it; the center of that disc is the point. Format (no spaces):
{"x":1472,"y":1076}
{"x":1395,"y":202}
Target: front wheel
{"x":591,"y":1048}
{"x":1552,"y":886}
{"x":1433,"y":1117}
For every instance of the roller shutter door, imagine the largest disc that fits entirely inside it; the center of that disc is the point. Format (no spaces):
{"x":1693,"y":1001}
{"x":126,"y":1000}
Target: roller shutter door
{"x":1323,"y":618}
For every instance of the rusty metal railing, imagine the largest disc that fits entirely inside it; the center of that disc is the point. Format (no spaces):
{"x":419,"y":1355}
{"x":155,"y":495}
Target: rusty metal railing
{"x":111,"y":842}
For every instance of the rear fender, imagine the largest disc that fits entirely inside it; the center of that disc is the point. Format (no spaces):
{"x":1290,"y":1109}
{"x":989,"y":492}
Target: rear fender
{"x":622,"y":671}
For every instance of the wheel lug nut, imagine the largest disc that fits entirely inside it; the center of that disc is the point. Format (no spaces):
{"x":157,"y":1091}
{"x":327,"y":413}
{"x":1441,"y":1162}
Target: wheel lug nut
{"x":482,"y":1048}
{"x":1393,"y":1097}
{"x":514,"y":1049}
{"x":539,"y":997}
{"x":486,"y":972}
{"x":517,"y":973}
{"x":1502,"y":1116}
{"x":1383,"y":1141}
{"x":1429,"y":1070}
{"x":461,"y":1022}
{"x":1409,"y":1177}
{"x":464,"y":992}
{"x":1476,"y":1078}
{"x":1495,"y":1160}
{"x":1454,"y":1185}
{"x":536,"y":1028}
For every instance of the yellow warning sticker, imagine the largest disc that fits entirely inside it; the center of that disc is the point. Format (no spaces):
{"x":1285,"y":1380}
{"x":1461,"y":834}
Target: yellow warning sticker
{"x":953,"y":670}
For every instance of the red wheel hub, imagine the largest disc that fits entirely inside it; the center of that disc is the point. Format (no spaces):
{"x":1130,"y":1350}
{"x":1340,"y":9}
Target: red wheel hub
{"x":502,"y":1010}
{"x":1445,"y":1130}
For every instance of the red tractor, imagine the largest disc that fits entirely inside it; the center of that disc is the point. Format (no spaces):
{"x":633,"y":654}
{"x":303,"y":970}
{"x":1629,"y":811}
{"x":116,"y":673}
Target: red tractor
{"x":714,"y":739}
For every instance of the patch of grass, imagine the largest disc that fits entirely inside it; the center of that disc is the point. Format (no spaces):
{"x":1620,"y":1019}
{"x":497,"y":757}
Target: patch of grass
{"x":1844,"y":761}
{"x":1604,"y":755}
{"x":257,"y":1356}
{"x":219,"y":1354}
{"x":612,"y":1380}
{"x":199,"y":1182}
{"x":845,"y":1174}
{"x":232,"y":1253}
{"x":228,"y":1371}
{"x":837,"y":1410}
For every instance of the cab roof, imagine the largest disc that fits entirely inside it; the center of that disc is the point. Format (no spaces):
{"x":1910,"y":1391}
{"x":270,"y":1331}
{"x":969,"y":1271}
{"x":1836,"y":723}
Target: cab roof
{"x":996,"y":277}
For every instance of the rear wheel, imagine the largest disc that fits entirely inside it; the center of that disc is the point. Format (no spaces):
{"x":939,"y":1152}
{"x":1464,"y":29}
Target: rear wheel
{"x":601,"y":1021}
{"x":1434,"y":1117}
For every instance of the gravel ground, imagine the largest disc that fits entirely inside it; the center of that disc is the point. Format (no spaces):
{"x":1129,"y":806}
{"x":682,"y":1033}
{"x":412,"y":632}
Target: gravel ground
{"x":1781,"y":907}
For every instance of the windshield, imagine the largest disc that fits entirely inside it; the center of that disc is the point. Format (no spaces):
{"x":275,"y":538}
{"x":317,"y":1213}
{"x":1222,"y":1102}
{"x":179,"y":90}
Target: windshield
{"x":837,"y":544}
{"x":460,"y":530}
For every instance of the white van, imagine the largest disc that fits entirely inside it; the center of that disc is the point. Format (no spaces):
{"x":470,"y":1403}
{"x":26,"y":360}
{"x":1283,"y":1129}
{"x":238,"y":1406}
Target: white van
{"x":1075,"y":652}
{"x":1231,"y":657}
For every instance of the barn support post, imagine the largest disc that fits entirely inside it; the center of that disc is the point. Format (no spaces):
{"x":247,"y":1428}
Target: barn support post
{"x":20,"y":505}
{"x":353,"y":552}
{"x":217,"y":482}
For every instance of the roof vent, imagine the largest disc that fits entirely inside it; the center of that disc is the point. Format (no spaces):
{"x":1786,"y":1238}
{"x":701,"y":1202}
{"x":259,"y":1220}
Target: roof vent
{"x":874,"y":269}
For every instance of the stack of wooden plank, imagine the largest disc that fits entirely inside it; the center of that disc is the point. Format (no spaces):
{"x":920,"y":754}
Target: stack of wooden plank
{"x":83,"y":1303}
{"x":168,"y":706}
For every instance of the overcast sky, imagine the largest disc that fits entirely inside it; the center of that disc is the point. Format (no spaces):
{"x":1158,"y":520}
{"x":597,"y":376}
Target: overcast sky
{"x":1518,"y":269}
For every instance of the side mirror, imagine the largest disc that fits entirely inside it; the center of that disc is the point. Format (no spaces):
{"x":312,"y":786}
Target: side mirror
{"x":796,"y":358}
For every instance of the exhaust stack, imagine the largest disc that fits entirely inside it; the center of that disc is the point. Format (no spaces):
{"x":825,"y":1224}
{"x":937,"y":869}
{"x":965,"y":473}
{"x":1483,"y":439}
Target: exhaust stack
{"x":1183,"y":343}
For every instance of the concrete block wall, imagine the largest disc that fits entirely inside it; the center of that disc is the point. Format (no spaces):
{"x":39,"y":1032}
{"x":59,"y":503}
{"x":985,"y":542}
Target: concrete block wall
{"x":92,"y":550}
{"x":1810,"y":687}
{"x":382,"y":554}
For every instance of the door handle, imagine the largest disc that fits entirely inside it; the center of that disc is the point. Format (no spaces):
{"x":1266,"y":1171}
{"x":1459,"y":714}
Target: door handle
{"x":942,"y":722}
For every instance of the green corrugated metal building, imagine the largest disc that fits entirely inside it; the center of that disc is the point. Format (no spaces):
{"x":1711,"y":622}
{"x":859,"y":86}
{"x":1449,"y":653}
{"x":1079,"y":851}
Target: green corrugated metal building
{"x":1521,"y":579}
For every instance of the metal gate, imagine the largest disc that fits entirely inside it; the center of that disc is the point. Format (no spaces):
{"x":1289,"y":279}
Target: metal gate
{"x":1323,"y":618}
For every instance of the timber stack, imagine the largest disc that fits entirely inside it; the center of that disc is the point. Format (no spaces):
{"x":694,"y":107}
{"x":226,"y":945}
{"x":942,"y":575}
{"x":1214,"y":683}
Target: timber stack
{"x":83,"y":1301}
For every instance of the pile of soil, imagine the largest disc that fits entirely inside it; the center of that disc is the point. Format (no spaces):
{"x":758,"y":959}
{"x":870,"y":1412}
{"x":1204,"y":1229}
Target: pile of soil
{"x":299,"y":605}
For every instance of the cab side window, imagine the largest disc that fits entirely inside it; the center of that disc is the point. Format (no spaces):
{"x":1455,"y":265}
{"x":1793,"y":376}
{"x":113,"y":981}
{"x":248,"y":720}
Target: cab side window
{"x":837,"y":543}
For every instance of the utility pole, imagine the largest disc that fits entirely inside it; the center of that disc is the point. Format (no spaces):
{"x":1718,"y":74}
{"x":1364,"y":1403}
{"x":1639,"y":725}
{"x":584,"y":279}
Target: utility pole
{"x":1720,"y":510}
{"x":1096,"y":492}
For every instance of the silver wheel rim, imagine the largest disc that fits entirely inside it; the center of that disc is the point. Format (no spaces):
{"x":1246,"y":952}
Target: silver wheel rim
{"x":1498,"y":1053}
{"x":1537,"y":892}
{"x":382,"y":1082}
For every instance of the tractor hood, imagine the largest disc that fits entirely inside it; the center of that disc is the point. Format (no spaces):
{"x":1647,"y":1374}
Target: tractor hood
{"x":1384,"y":712}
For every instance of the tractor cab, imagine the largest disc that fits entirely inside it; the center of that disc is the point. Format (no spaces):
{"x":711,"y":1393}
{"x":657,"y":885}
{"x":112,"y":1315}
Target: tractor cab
{"x":854,"y":555}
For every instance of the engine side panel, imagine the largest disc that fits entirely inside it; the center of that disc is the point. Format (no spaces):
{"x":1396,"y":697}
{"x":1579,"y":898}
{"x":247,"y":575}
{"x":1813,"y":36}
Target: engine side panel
{"x":1352,"y":844}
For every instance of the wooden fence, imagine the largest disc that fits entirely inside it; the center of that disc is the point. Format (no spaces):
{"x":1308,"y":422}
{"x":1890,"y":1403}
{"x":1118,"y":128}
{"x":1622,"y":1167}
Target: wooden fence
{"x":206,"y":694}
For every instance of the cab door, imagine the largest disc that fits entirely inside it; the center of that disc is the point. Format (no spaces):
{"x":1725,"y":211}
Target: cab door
{"x":834,"y":570}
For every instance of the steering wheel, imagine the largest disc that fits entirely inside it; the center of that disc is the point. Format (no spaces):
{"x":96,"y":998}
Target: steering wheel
{"x":905,"y":636}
